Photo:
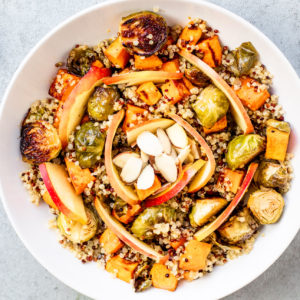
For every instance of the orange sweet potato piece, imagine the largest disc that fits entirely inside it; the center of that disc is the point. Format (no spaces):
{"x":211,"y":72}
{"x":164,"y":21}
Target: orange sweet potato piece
{"x":97,"y":63}
{"x":143,"y":194}
{"x":190,"y":35}
{"x":188,"y":275}
{"x":175,"y":90}
{"x":187,"y":83}
{"x":149,"y":93}
{"x":251,"y":94}
{"x":131,"y":115}
{"x":121,"y":268}
{"x":85,"y":119}
{"x":152,"y":62}
{"x":117,"y":54}
{"x":132,"y":211}
{"x":212,"y":51}
{"x":63,"y":84}
{"x":80,"y":177}
{"x":171,"y":66}
{"x":218,"y":126}
{"x":195,"y":255}
{"x":277,"y":143}
{"x":233,"y":179}
{"x":110,"y":242}
{"x":177,"y":243}
{"x":47,"y":198}
{"x":162,"y":278}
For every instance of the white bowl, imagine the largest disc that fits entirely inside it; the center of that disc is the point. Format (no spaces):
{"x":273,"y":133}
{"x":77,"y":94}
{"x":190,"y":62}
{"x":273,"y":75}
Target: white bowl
{"x":31,"y":82}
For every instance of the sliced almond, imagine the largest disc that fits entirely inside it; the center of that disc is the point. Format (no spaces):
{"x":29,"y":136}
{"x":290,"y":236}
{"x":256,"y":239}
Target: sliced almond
{"x":167,"y":167}
{"x":190,"y":159}
{"x":121,"y":159}
{"x":194,"y":150}
{"x":132,"y":169}
{"x":149,"y":143}
{"x":183,"y":154}
{"x":146,"y":179}
{"x":174,"y":153}
{"x":145,"y":158}
{"x":178,"y":136}
{"x":164,"y":140}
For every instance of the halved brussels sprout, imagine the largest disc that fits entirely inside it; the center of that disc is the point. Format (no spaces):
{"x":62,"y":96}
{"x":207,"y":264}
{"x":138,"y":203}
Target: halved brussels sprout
{"x":120,"y":207}
{"x":204,"y":209}
{"x":89,"y":143}
{"x":196,"y":77}
{"x":243,"y":149}
{"x":211,"y":106}
{"x":101,"y":103}
{"x":142,"y":279}
{"x":143,"y":225}
{"x":245,"y":57}
{"x":280,"y":125}
{"x":239,"y":227}
{"x":143,"y":33}
{"x":271,"y":175}
{"x":39,"y":142}
{"x":75,"y":231}
{"x":266,"y":205}
{"x":80,"y":59}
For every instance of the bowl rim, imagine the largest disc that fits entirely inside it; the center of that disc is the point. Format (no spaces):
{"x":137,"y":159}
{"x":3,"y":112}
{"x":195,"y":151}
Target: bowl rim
{"x":70,"y":19}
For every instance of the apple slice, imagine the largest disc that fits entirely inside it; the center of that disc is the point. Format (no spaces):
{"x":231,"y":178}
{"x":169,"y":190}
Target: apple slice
{"x":213,"y":226}
{"x":121,"y":159}
{"x":62,"y":192}
{"x":205,"y":173}
{"x":135,"y":78}
{"x":183,"y":179}
{"x":118,"y":229}
{"x":238,"y":111}
{"x":151,"y":125}
{"x":125,"y":192}
{"x":74,"y":106}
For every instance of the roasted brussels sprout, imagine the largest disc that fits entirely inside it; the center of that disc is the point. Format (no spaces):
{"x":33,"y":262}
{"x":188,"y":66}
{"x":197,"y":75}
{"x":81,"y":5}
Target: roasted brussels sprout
{"x":101,"y":103}
{"x":89,"y":143}
{"x":266,"y":205}
{"x":75,"y":231}
{"x":142,"y":279}
{"x":242,"y":149}
{"x":245,"y":57}
{"x":143,"y":33}
{"x":211,"y":106}
{"x":196,"y":77}
{"x":239,"y":227}
{"x":39,"y":142}
{"x":280,"y":125}
{"x":143,"y":225}
{"x":35,"y":113}
{"x":80,"y":59}
{"x":271,"y":175}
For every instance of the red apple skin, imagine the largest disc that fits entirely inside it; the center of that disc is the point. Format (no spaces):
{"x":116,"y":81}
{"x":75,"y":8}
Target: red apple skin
{"x":238,"y":110}
{"x":84,"y":85}
{"x":210,"y":228}
{"x":118,"y":229}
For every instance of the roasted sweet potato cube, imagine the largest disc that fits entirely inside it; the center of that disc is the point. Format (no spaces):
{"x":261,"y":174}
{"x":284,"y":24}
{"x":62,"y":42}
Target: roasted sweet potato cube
{"x":252,"y":94}
{"x":121,"y":268}
{"x":97,"y":63}
{"x":149,"y":93}
{"x":117,"y":54}
{"x":218,"y":126}
{"x":212,"y":51}
{"x":189,"y":36}
{"x":80,"y":177}
{"x":174,"y":90}
{"x":131,"y":212}
{"x":131,"y":116}
{"x":143,"y":194}
{"x":110,"y":242}
{"x":162,"y":278}
{"x":57,"y":115}
{"x":277,"y":143}
{"x":177,"y":243}
{"x":187,"y":83}
{"x":63,"y":84}
{"x":152,"y":62}
{"x":171,"y":66}
{"x":195,"y":256}
{"x":230,"y":180}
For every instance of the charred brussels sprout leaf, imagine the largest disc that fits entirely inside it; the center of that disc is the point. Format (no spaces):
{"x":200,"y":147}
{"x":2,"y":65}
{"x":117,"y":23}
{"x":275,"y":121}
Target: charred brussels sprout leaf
{"x":211,"y":106}
{"x":101,"y":103}
{"x":120,"y":207}
{"x":143,"y":225}
{"x":243,"y":149}
{"x":89,"y":143}
{"x":266,"y":205}
{"x":80,"y":60}
{"x":196,"y":77}
{"x":143,"y":33}
{"x":142,"y":280}
{"x":280,"y":125}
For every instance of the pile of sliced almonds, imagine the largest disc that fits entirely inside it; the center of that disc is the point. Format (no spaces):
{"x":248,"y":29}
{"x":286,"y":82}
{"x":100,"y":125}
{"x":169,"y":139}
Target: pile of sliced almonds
{"x":164,"y":152}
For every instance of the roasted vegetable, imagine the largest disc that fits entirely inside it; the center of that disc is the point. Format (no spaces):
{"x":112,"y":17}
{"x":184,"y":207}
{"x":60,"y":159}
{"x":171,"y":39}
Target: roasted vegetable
{"x":35,"y":113}
{"x":190,"y":35}
{"x":211,"y":50}
{"x":152,"y":62}
{"x":124,"y":212}
{"x":174,"y":91}
{"x":204,"y":209}
{"x":272,"y":175}
{"x":142,"y":278}
{"x":211,"y":106}
{"x":143,"y":225}
{"x":162,"y":278}
{"x":143,"y":194}
{"x":101,"y":103}
{"x":80,"y":60}
{"x":39,"y":142}
{"x":89,"y":143}
{"x":149,"y":93}
{"x":266,"y":205}
{"x":242,"y":149}
{"x":239,"y":227}
{"x":280,"y":125}
{"x":75,"y":231}
{"x":110,"y":242}
{"x":143,"y":33}
{"x":245,"y":57}
{"x":196,"y":77}
{"x":218,"y":126}
{"x":230,"y":181}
